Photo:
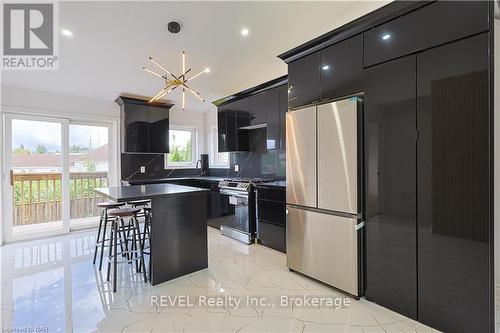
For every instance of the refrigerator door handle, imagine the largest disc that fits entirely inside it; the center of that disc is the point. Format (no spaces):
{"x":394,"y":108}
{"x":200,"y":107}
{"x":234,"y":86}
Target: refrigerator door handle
{"x":359,"y":225}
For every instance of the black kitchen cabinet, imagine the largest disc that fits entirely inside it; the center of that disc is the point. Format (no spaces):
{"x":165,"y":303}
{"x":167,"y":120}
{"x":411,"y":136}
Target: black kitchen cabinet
{"x":390,"y":171}
{"x":136,"y":129}
{"x":158,"y":129}
{"x":231,"y":130}
{"x":241,"y":109}
{"x":145,"y":125}
{"x":273,"y":118}
{"x":266,"y":107}
{"x":432,"y":25}
{"x":222,"y":136}
{"x":341,"y":68}
{"x":283,"y":101}
{"x":258,"y":108}
{"x":271,"y":224}
{"x":230,"y":118}
{"x":304,"y":81}
{"x":454,"y":182}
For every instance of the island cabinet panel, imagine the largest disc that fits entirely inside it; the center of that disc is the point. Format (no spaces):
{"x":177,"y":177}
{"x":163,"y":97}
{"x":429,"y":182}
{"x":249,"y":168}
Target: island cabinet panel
{"x":341,"y":68}
{"x":304,"y":81}
{"x":258,"y":108}
{"x":390,"y":171}
{"x":454,"y":182}
{"x":437,"y":23}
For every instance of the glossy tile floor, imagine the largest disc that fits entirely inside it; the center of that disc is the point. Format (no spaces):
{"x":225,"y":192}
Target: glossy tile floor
{"x":51,"y":285}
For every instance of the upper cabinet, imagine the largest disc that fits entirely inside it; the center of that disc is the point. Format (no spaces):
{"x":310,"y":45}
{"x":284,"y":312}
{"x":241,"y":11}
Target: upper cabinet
{"x":341,"y":68}
{"x":266,"y":107}
{"x":327,"y":74}
{"x":273,"y":118}
{"x":258,"y":108}
{"x":304,"y":81}
{"x":158,"y":129}
{"x":435,"y":24}
{"x":145,"y":125}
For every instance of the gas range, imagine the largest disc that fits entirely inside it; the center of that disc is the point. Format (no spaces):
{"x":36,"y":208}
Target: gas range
{"x":241,"y":184}
{"x":238,"y":192}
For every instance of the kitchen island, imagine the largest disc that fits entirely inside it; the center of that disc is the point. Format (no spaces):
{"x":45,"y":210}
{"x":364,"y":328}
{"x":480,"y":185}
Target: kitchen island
{"x":178,"y":227}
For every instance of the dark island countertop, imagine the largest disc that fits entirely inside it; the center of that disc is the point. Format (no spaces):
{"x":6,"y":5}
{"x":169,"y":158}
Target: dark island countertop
{"x":135,"y":192}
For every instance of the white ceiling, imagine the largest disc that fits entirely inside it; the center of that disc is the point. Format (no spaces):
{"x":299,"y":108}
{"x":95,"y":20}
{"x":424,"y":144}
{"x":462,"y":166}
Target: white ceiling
{"x":112,"y":41}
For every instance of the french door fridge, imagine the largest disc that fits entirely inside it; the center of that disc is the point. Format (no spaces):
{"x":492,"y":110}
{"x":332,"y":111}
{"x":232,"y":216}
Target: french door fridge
{"x":324,"y":209}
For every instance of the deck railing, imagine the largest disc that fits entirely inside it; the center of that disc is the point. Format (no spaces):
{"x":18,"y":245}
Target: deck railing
{"x":37,"y":196}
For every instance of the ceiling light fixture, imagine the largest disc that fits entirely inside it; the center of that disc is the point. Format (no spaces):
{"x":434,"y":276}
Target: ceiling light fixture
{"x":386,"y":36}
{"x":325,"y":67}
{"x":245,"y":32}
{"x":67,"y":33}
{"x":172,"y":81}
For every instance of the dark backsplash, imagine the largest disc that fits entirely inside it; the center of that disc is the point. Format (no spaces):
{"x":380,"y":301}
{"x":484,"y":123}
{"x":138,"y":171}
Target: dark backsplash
{"x":258,"y":162}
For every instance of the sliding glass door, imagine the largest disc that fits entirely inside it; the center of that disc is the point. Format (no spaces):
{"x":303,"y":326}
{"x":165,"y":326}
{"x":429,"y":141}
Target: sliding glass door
{"x":36,"y":193}
{"x":89,"y":155}
{"x":54,"y":165}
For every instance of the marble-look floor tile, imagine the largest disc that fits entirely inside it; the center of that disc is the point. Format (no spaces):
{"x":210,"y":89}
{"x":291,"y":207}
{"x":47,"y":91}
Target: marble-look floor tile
{"x":52,"y":285}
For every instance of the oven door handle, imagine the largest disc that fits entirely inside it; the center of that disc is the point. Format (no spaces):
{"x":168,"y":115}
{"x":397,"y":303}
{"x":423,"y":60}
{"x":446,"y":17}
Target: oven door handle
{"x":234,"y":193}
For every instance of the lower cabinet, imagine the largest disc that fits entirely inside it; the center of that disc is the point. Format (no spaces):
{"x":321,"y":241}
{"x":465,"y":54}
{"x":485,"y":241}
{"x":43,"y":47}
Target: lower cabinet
{"x":271,"y":221}
{"x":428,"y":186}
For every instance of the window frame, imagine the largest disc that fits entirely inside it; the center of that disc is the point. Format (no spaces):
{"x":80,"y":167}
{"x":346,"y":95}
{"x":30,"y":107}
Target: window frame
{"x":194,"y":143}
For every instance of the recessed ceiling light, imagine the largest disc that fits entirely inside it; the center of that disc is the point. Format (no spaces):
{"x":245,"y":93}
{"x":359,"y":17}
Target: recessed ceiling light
{"x":325,"y":67}
{"x":386,"y":36}
{"x":67,"y":33}
{"x":245,"y":32}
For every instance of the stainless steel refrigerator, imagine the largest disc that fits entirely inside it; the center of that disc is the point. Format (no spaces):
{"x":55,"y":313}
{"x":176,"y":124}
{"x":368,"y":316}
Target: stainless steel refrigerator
{"x":324,"y":207}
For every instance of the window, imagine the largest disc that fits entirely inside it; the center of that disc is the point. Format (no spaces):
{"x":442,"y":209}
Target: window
{"x":217,"y":160}
{"x":182,"y":141}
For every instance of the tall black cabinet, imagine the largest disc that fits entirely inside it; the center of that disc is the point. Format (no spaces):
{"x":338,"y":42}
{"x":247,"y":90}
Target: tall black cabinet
{"x":428,"y":228}
{"x":454,"y":182}
{"x":390,"y":167}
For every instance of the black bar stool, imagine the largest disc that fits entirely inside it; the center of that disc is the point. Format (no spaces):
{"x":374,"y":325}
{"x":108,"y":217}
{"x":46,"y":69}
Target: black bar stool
{"x":140,"y":204}
{"x":101,"y":231}
{"x":119,"y":227}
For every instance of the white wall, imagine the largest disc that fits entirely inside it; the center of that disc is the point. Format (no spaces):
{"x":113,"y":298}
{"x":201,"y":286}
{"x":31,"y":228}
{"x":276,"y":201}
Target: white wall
{"x":23,"y":100}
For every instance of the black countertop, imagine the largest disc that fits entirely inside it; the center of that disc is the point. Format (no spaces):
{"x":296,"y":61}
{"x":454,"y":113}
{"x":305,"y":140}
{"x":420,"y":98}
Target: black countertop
{"x":167,"y":179}
{"x":124,"y":193}
{"x":277,"y":183}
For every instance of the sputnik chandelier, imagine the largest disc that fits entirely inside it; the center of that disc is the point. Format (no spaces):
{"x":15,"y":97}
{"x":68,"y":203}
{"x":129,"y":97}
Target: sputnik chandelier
{"x":172,"y":81}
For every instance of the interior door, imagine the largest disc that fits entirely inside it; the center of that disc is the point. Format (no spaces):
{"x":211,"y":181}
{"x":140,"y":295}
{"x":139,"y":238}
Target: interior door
{"x":301,"y":157}
{"x":338,"y":156}
{"x":36,"y":189}
{"x":390,"y":164}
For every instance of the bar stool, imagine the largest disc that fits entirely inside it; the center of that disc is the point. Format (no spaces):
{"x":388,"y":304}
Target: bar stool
{"x":101,"y":231}
{"x":119,"y":227}
{"x":139,"y":204}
